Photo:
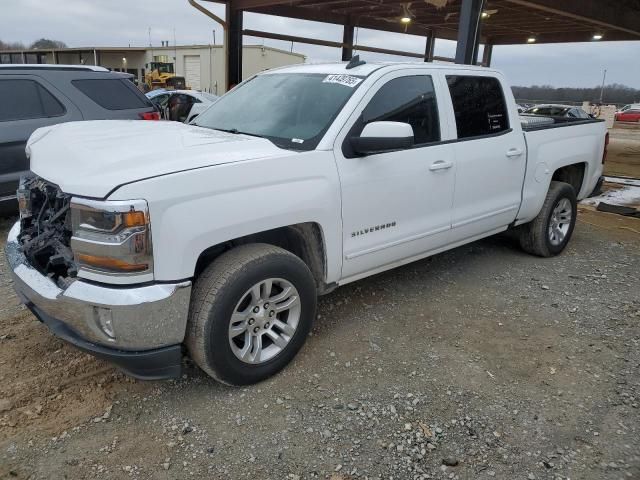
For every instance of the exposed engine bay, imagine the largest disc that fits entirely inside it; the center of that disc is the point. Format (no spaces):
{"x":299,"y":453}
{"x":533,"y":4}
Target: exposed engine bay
{"x":45,"y":220}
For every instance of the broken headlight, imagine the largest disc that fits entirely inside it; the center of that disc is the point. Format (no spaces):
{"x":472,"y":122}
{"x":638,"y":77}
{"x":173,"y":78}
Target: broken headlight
{"x":111,"y":237}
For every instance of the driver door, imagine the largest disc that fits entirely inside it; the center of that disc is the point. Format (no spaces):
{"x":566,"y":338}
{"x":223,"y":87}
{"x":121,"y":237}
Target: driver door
{"x":396,"y":206}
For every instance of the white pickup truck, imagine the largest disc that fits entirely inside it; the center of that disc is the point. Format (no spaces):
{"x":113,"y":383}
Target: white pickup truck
{"x":143,"y":241}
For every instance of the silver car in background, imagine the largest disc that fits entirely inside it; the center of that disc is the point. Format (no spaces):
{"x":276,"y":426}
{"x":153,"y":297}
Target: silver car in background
{"x":34,"y":96}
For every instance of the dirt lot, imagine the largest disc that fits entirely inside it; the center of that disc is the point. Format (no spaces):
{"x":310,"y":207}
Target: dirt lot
{"x":496,"y":363}
{"x":624,"y":151}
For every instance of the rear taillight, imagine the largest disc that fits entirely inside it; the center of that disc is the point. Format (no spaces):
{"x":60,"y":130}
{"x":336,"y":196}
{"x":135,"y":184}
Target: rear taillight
{"x":150,"y":116}
{"x":606,"y":145}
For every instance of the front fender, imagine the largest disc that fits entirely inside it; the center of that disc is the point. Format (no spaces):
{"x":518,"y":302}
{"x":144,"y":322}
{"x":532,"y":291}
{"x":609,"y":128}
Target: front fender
{"x":194,"y":210}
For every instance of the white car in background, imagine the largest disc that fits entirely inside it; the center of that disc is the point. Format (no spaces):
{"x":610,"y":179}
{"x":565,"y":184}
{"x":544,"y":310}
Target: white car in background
{"x":178,"y":105}
{"x":554,"y":110}
{"x":197,"y":109}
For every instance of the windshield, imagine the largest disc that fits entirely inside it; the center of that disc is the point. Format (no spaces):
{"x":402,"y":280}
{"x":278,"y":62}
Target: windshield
{"x":293,"y":110}
{"x":162,"y":67}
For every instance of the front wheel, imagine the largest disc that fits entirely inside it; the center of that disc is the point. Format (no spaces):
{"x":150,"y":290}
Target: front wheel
{"x":251,"y":311}
{"x":549,"y":233}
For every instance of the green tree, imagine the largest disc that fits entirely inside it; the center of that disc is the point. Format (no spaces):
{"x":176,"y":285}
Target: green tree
{"x":47,"y":44}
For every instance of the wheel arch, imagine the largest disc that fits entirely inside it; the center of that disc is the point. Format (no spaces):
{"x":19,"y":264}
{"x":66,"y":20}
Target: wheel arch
{"x":304,"y":240}
{"x":574,"y":174}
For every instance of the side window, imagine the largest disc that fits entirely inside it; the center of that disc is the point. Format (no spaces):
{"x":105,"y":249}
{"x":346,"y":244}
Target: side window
{"x":26,"y":99}
{"x":410,"y":100}
{"x":112,"y":94}
{"x":160,"y":100}
{"x":478,"y":104}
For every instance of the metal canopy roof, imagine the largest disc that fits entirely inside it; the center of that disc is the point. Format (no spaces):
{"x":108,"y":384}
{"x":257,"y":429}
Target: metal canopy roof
{"x":503,"y":21}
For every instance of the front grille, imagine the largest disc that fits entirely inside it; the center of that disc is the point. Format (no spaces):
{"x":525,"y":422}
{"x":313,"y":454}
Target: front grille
{"x":45,"y":222}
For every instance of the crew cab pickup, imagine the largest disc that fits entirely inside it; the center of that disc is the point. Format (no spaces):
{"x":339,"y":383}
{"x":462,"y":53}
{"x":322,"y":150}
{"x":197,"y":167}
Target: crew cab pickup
{"x":143,"y":241}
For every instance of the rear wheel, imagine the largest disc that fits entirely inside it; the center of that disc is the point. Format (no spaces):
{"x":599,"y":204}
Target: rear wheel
{"x":549,"y":233}
{"x":251,"y":311}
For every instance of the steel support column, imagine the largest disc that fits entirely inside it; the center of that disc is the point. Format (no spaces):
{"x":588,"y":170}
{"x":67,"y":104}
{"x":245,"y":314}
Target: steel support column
{"x":347,"y":40}
{"x":429,"y":48}
{"x":486,"y":54}
{"x":234,"y":46}
{"x":469,"y":31}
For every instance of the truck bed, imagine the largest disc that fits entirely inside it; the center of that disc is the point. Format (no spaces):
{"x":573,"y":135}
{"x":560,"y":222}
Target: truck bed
{"x":550,"y":146}
{"x":531,"y":122}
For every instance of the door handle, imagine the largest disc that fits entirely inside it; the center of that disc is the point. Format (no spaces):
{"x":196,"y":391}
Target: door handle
{"x":514,"y":152}
{"x":440,"y":165}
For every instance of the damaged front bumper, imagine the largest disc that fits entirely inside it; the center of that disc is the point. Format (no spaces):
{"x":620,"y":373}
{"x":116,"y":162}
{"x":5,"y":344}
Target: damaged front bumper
{"x":139,"y":329}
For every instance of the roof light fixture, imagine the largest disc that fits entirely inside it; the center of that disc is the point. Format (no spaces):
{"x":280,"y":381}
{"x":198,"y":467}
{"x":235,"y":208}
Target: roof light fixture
{"x":488,"y":13}
{"x":531,"y":39}
{"x":406,"y":14}
{"x":597,"y":36}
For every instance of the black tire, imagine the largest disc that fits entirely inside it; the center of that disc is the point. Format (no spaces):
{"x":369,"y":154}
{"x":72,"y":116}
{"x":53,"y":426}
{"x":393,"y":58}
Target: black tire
{"x":534,"y":236}
{"x":216,"y":293}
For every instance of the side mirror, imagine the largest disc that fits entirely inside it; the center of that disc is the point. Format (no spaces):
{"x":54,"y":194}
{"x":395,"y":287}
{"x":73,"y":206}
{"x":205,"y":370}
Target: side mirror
{"x":378,"y":137}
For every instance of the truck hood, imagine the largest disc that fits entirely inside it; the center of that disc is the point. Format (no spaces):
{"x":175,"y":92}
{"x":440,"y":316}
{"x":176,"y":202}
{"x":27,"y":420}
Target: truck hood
{"x":93,"y":158}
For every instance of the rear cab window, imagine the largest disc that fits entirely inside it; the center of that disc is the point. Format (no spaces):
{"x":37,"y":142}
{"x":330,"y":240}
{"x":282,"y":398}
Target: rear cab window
{"x":479,"y":105}
{"x":23,"y":99}
{"x":112,"y":93}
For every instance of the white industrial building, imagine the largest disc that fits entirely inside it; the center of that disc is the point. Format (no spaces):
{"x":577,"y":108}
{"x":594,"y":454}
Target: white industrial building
{"x":203,"y":66}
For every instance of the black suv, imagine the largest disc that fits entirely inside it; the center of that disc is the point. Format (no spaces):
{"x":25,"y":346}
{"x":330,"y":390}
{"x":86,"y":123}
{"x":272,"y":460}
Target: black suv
{"x":34,"y":96}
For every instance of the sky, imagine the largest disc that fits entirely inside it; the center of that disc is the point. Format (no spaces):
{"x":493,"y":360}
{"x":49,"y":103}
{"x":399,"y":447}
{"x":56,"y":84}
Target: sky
{"x":115,"y":23}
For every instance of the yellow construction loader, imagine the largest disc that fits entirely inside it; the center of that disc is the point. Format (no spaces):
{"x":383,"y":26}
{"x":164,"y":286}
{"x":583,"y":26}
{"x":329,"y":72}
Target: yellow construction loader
{"x":161,"y":75}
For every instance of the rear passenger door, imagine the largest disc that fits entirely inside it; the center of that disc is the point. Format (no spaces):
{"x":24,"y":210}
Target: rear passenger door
{"x":490,"y":154}
{"x":26,"y":103}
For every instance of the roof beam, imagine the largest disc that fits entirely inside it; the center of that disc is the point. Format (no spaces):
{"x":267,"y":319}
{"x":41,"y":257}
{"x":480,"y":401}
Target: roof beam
{"x":559,"y":37}
{"x":597,"y":12}
{"x":248,"y":4}
{"x":362,"y":21}
{"x":292,"y":38}
{"x":328,"y":43}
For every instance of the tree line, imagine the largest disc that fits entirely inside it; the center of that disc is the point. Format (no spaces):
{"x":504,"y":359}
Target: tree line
{"x":615,"y":93}
{"x":41,"y":44}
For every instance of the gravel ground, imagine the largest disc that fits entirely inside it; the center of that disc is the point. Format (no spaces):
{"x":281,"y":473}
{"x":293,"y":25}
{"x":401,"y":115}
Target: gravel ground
{"x":482,"y":362}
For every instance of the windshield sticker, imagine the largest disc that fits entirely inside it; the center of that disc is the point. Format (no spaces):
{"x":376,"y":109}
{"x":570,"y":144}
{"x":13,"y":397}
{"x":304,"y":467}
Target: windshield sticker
{"x":297,"y":140}
{"x":346,"y":80}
